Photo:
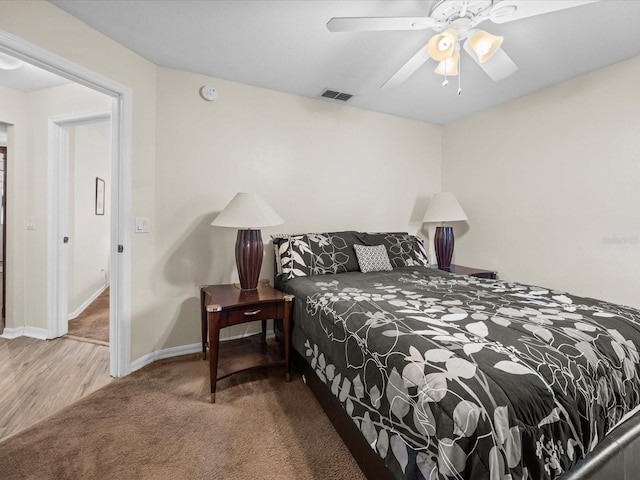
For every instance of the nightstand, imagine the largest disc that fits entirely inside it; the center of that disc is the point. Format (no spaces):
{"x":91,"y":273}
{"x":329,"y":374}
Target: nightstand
{"x":473,"y":272}
{"x":226,"y":305}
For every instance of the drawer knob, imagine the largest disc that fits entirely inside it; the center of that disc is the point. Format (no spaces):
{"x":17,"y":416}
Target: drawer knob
{"x":253,"y":312}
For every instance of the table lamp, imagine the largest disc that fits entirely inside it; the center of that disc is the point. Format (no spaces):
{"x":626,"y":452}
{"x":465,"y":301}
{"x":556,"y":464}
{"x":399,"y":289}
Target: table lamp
{"x":248,"y":212}
{"x":444,"y":208}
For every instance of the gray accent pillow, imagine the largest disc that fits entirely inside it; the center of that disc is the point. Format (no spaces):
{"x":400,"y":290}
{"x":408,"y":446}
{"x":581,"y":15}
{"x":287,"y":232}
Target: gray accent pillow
{"x":372,"y":258}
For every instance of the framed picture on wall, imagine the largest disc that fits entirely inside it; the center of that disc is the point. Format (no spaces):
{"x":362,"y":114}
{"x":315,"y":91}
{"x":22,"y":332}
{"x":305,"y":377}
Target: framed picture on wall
{"x":99,"y":196}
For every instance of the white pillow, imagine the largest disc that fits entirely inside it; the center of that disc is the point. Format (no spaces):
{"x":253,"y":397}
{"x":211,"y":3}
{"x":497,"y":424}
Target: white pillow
{"x":372,"y":259}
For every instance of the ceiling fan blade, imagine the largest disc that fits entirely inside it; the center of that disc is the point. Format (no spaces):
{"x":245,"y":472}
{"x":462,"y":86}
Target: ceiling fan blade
{"x":509,"y":10}
{"x":365,"y":24}
{"x":499,"y":66}
{"x":408,"y":68}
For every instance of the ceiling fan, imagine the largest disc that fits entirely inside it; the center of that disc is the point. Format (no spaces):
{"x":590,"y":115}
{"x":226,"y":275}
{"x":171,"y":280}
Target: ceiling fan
{"x":455,"y":23}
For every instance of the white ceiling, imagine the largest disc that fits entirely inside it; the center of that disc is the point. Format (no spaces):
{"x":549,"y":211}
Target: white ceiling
{"x":284,"y":45}
{"x":28,"y":78}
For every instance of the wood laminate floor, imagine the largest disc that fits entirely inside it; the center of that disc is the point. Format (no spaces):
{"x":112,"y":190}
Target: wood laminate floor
{"x":39,"y":377}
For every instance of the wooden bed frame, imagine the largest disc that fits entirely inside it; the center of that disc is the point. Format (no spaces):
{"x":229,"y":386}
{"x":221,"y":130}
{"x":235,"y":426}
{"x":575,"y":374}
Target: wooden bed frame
{"x":616,"y":457}
{"x":369,"y":461}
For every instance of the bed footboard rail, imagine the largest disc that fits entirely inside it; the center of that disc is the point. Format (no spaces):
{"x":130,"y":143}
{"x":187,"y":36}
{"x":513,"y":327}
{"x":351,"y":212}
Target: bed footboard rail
{"x":616,"y":457}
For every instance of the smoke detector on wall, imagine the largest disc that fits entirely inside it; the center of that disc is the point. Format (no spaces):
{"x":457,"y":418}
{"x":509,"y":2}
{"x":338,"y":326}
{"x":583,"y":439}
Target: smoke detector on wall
{"x":209,"y":93}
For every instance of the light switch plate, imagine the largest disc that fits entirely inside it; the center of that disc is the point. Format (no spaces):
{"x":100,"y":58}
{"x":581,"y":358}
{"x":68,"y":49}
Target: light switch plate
{"x":142,"y":225}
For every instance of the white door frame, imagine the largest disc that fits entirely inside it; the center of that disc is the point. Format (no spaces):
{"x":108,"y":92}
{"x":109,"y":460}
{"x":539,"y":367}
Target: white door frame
{"x":57,"y":215}
{"x":121,"y":120}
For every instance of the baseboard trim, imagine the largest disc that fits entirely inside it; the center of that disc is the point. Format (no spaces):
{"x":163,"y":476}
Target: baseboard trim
{"x":11,"y":333}
{"x":165,"y":353}
{"x":32,"y":332}
{"x":41,"y":334}
{"x":176,"y":352}
{"x":76,"y":313}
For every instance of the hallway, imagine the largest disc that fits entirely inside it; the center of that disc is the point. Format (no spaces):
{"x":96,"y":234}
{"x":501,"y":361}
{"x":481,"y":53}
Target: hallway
{"x":39,"y":377}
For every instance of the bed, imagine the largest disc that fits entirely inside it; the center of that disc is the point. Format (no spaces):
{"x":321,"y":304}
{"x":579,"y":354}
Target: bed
{"x":430,"y":375}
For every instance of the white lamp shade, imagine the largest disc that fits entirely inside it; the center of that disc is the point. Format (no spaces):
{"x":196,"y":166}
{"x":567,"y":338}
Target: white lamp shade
{"x":444,"y":208}
{"x":449,"y":66}
{"x":442,"y":46}
{"x":9,"y":63}
{"x":485,"y":44}
{"x":247,"y":211}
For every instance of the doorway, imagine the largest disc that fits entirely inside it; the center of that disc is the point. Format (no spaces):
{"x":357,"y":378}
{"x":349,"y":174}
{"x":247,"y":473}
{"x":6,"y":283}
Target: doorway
{"x":89,"y":220}
{"x":120,"y":189}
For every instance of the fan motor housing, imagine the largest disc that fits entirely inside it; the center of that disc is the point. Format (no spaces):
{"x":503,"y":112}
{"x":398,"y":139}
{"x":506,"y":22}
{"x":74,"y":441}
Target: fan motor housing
{"x":449,"y":11}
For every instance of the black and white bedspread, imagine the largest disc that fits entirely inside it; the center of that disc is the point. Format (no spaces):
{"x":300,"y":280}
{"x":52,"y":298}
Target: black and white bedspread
{"x":457,"y":377}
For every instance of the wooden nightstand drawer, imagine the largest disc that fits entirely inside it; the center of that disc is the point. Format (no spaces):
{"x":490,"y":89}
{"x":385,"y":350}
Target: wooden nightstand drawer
{"x":266,"y":311}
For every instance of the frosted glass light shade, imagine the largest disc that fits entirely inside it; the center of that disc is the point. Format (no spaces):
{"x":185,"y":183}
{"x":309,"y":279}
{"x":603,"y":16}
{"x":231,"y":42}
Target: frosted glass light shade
{"x":449,"y":66}
{"x":444,"y":208}
{"x":442,"y":46}
{"x":247,"y":211}
{"x":485,"y":44}
{"x":9,"y":63}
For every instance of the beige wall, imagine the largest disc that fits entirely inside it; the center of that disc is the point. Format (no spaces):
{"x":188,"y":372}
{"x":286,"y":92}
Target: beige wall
{"x":13,"y":110}
{"x":90,"y":157}
{"x":550,"y":185}
{"x":320,"y":165}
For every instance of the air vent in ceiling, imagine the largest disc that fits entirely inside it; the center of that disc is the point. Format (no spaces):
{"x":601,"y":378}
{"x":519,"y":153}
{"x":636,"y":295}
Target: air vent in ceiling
{"x":333,"y":95}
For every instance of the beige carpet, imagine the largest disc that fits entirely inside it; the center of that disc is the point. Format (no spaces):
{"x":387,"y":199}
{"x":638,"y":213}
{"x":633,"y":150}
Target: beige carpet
{"x":158,"y":424}
{"x":93,"y":323}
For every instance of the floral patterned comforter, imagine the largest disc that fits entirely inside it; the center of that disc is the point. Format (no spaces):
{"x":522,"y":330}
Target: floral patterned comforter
{"x":457,"y":377}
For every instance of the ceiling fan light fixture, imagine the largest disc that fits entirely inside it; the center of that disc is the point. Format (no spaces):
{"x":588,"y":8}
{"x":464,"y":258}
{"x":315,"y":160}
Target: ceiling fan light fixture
{"x":485,"y":44}
{"x":443,"y":45}
{"x":9,"y":63}
{"x":449,"y":66}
